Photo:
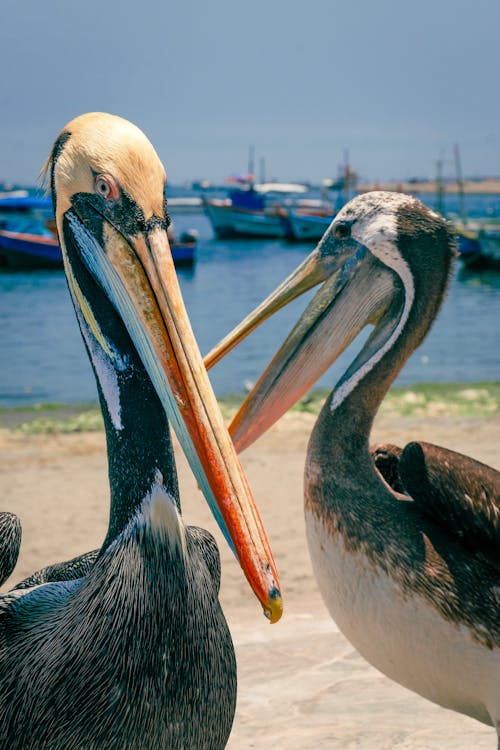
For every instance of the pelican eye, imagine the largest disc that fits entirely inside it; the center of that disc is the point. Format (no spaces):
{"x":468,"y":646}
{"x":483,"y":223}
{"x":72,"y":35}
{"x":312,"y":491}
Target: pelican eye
{"x":106,"y":187}
{"x":342,"y":230}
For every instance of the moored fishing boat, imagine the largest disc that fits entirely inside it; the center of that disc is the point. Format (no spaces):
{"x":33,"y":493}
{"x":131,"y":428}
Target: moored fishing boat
{"x":479,"y":245}
{"x":27,"y":232}
{"x":230,"y":221}
{"x":256,"y":210}
{"x":28,"y":239}
{"x":26,"y":250}
{"x":303,"y":226}
{"x":32,"y":251}
{"x":244,"y":214}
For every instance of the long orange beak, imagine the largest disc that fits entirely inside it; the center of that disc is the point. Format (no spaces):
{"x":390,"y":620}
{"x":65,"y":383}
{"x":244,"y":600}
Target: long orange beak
{"x":139,"y":277}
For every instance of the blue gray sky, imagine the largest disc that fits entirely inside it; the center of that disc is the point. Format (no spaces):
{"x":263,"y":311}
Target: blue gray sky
{"x":395,"y":82}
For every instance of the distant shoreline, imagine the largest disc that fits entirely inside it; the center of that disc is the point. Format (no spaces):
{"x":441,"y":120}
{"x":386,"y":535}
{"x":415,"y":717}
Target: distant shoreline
{"x":480,"y":186}
{"x":421,"y":400}
{"x":470,"y":187}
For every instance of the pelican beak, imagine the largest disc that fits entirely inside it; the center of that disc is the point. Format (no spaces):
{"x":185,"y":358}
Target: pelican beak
{"x":311,"y":272}
{"x":329,"y":323}
{"x":136,"y":271}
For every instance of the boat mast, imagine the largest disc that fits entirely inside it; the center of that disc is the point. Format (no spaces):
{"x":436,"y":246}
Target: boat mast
{"x":262,"y":170}
{"x":251,"y":163}
{"x":439,"y":185}
{"x":460,"y":183}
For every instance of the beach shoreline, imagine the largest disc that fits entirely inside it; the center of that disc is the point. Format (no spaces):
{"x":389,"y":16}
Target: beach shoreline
{"x":301,"y":685}
{"x":482,"y":186}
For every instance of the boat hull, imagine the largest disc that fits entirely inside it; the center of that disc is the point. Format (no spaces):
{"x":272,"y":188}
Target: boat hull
{"x":183,"y":254}
{"x":228,"y":221}
{"x":479,"y":251}
{"x":22,"y":251}
{"x":29,"y":251}
{"x":306,"y":227}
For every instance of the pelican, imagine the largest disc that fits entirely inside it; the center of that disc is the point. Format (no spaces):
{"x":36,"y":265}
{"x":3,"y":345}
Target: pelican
{"x":411,"y":577}
{"x":136,"y":653}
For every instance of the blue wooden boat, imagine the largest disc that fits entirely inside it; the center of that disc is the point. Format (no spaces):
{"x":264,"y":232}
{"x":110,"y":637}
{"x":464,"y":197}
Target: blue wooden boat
{"x":28,"y":240}
{"x":252,"y":211}
{"x":479,"y":246}
{"x":16,"y":203}
{"x":26,"y":250}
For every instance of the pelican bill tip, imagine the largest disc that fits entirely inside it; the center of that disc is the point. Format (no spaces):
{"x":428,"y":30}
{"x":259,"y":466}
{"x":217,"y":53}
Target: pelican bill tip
{"x":273,"y":609}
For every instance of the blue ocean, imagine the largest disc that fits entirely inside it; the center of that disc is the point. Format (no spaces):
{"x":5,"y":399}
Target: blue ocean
{"x":43,"y":359}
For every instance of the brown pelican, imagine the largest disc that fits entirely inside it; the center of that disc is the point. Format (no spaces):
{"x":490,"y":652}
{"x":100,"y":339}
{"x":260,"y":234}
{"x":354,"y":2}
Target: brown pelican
{"x":411,"y":578}
{"x":136,"y":653}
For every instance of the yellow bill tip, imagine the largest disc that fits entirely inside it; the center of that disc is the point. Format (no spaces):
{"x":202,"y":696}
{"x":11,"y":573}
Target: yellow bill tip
{"x":273,"y":609}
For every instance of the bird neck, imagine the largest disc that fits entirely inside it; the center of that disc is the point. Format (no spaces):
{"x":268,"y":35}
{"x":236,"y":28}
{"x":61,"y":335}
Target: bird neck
{"x":345,"y":422}
{"x":139,"y":446}
{"x":137,"y":430}
{"x":338,"y":457}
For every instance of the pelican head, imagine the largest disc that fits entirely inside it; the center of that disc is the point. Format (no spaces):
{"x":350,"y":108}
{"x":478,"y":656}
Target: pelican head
{"x":384,"y":261}
{"x":108,"y":188}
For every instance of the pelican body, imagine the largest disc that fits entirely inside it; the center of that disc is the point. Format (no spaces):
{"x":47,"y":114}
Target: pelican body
{"x":127,"y":647}
{"x":408,"y":567}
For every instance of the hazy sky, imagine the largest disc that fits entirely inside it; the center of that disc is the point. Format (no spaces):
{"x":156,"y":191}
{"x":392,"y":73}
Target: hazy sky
{"x":396,"y":82}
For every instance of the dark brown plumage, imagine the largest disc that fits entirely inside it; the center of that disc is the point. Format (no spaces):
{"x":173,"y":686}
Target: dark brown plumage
{"x":10,"y":542}
{"x":386,"y":459}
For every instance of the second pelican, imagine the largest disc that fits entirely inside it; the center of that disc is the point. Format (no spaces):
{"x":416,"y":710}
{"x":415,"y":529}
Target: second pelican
{"x":413,"y":579}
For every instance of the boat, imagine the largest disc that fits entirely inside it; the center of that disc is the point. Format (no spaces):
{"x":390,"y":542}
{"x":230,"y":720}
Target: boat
{"x":478,"y":240}
{"x":244,"y":214}
{"x":32,"y":251}
{"x":26,"y":250}
{"x":255,"y":210}
{"x":20,"y":201}
{"x":479,"y":245}
{"x":185,"y":205}
{"x":302,"y":226}
{"x":183,"y":249}
{"x":230,"y":221}
{"x":28,"y":239}
{"x":27,"y":233}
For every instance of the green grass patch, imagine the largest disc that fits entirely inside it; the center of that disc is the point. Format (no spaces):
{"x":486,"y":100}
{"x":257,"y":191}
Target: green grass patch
{"x":425,"y":400}
{"x":50,"y":418}
{"x":88,"y":421}
{"x":444,"y":399}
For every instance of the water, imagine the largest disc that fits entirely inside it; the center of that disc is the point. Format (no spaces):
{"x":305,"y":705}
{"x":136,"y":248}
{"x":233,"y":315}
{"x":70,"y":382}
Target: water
{"x":42,"y":357}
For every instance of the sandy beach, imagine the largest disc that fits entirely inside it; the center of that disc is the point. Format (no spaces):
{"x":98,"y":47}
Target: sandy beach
{"x":301,"y":685}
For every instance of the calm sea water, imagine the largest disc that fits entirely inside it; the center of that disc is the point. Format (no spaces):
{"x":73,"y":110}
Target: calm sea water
{"x":42,"y":356}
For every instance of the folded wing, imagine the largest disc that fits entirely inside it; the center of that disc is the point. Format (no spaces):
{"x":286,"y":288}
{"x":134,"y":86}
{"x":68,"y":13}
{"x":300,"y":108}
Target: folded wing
{"x":10,"y":542}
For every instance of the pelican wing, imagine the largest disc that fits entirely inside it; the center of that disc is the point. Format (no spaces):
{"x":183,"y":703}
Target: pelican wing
{"x":458,"y":492}
{"x":386,"y":459}
{"x":77,"y":567}
{"x":10,"y":542}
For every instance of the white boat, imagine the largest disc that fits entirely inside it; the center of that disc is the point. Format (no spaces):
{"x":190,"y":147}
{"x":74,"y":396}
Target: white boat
{"x":184,"y":205}
{"x":280,"y":187}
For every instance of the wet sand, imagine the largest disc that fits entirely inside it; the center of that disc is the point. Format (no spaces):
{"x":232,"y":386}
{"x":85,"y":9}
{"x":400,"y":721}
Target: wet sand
{"x":301,"y":684}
